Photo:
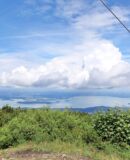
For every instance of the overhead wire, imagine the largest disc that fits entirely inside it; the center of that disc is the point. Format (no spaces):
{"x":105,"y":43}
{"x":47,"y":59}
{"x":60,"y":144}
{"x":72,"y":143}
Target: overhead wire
{"x":120,"y":21}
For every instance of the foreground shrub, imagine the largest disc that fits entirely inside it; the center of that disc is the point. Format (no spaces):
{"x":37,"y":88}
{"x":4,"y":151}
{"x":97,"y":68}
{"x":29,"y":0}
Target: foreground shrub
{"x":114,"y":126}
{"x":7,"y":113}
{"x":47,"y":125}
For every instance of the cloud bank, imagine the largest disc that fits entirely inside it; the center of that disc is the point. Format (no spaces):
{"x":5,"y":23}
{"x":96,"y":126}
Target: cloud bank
{"x":99,"y":66}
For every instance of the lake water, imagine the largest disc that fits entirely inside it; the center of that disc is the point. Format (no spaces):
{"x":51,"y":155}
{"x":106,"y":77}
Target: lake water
{"x":34,"y":98}
{"x":73,"y":102}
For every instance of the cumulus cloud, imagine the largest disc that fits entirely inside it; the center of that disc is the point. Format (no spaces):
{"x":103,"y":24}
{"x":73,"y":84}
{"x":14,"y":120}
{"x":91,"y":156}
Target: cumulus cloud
{"x":99,"y":66}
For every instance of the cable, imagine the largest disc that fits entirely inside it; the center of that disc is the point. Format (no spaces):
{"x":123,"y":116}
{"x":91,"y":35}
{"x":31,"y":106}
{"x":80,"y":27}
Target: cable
{"x":115,"y":15}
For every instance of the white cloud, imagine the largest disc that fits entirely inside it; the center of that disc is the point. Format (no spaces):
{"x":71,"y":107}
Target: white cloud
{"x":37,"y":7}
{"x":97,"y":66}
{"x":101,"y":19}
{"x":70,"y":8}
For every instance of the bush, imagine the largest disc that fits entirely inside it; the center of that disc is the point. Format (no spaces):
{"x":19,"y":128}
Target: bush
{"x":47,"y":125}
{"x":114,"y":126}
{"x":7,"y":113}
{"x":18,"y":126}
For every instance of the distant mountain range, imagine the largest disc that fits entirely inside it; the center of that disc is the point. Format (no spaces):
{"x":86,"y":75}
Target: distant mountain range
{"x":91,"y":109}
{"x":86,"y":110}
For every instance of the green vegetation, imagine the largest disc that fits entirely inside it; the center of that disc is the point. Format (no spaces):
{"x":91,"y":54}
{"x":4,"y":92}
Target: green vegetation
{"x":101,"y":136}
{"x":114,"y":126}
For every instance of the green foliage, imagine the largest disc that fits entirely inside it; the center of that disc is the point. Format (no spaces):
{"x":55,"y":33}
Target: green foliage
{"x":18,"y":126}
{"x":7,"y":113}
{"x":47,"y":125}
{"x":7,"y":109}
{"x":114,"y":126}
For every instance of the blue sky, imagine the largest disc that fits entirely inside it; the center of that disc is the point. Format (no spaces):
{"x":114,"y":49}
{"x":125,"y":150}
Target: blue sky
{"x":67,"y":44}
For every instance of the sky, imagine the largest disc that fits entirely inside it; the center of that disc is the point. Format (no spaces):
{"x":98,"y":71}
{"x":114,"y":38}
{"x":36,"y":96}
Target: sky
{"x":64,"y":44}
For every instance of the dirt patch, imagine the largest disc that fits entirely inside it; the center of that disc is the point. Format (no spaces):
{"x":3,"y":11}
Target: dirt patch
{"x":31,"y":155}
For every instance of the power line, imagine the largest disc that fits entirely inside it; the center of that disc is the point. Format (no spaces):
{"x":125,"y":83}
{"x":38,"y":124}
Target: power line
{"x":107,"y":7}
